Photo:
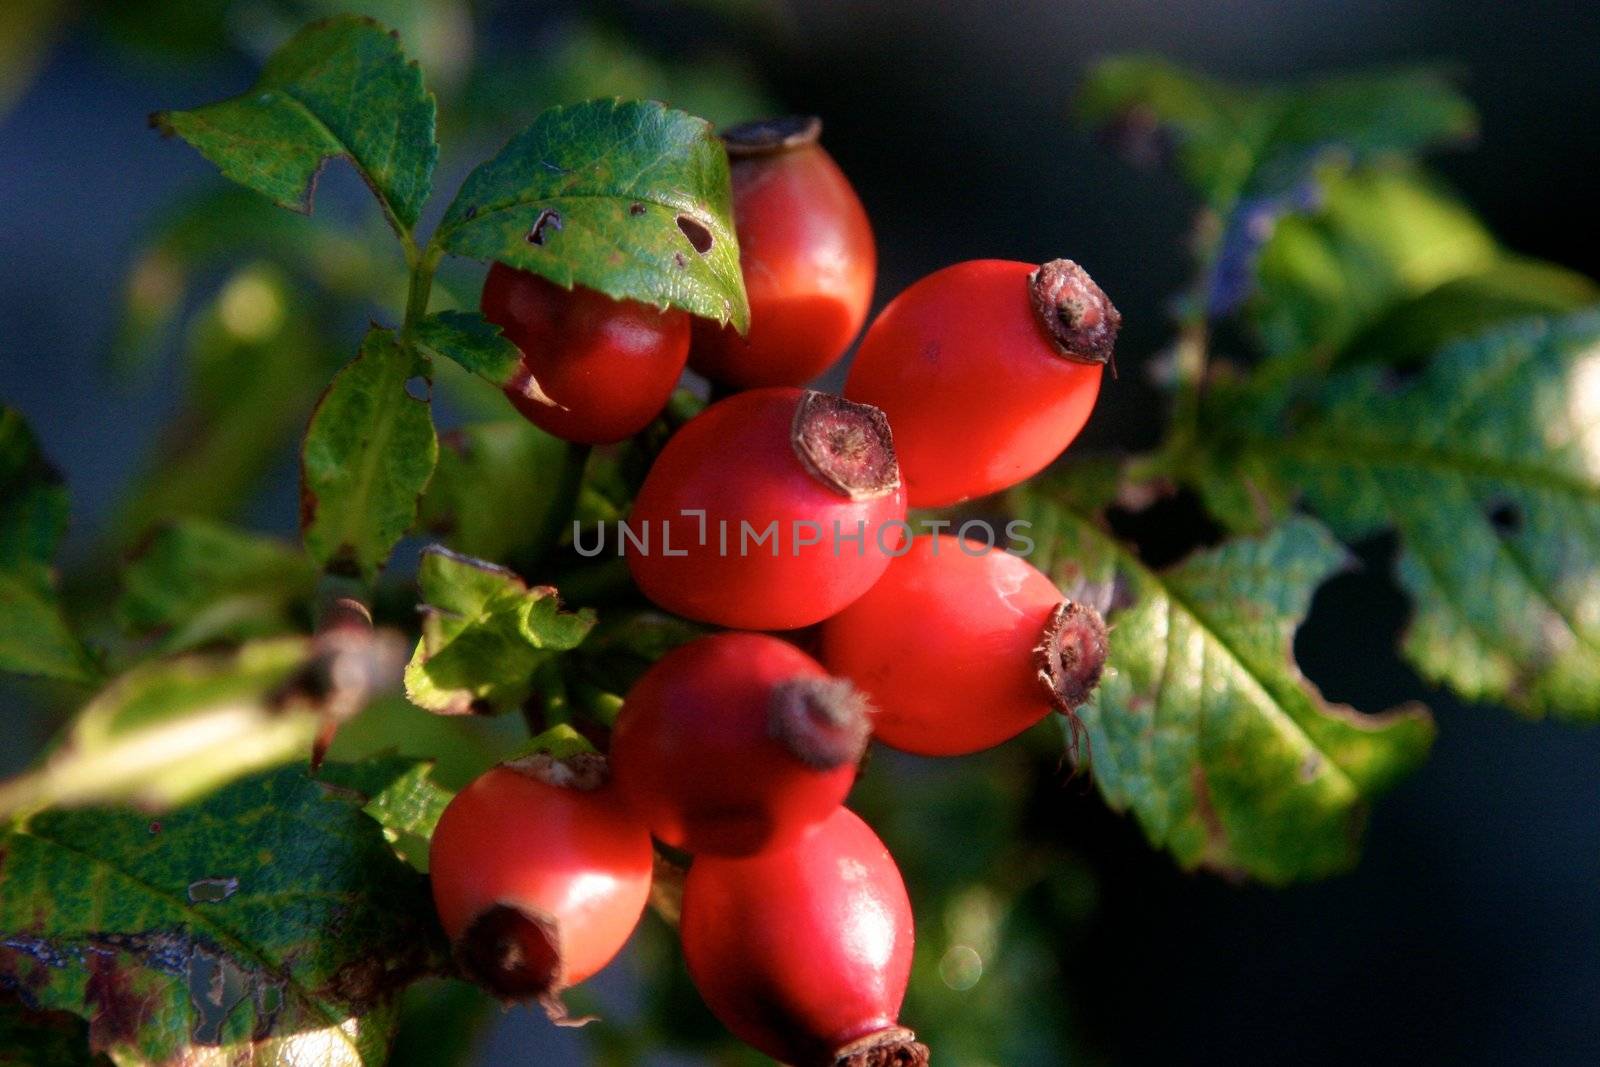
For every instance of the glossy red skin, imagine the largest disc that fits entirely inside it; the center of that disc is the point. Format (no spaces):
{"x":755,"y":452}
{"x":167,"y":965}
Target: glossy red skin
{"x":809,"y":263}
{"x":978,"y":396}
{"x":800,"y":951}
{"x":610,"y":365}
{"x":692,"y":753}
{"x":943,"y":647}
{"x":580,"y":858}
{"x":735,"y":461}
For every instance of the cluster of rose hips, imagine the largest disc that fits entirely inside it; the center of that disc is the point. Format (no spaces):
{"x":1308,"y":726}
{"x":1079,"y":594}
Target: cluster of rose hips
{"x":739,"y":748}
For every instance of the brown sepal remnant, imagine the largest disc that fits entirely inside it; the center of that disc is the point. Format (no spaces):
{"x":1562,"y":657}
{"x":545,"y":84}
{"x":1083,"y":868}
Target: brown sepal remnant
{"x":845,"y":445}
{"x":1076,"y":313}
{"x":766,"y":137}
{"x":1071,"y":654}
{"x":896,"y":1047}
{"x":822,"y":722}
{"x":515,"y":953}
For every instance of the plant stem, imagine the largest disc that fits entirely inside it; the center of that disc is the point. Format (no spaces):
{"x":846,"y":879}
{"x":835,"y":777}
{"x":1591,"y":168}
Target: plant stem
{"x":423,"y":266}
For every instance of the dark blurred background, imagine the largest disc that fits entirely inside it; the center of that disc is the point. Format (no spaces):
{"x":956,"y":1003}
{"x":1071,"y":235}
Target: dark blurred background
{"x":1470,"y":933}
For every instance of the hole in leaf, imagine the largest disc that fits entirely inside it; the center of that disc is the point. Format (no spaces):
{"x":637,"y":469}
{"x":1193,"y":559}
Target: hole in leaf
{"x":417,"y":388}
{"x":696,"y":232}
{"x":547,"y":218}
{"x":678,"y":258}
{"x":1505,"y":517}
{"x":636,"y":208}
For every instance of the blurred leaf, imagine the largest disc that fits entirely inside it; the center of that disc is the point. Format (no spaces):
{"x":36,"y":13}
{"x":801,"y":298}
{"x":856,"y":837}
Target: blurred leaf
{"x":341,"y":87}
{"x":366,"y":459}
{"x":484,"y":633}
{"x":494,"y":486}
{"x":441,"y":1023}
{"x":1256,"y":155}
{"x":198,"y":582}
{"x":401,"y":795}
{"x":1509,"y":289}
{"x":1488,"y":466}
{"x":171,"y":730}
{"x":226,"y":438}
{"x":33,"y":500}
{"x":222,"y":225}
{"x":627,"y":197}
{"x":459,"y":749}
{"x":270,"y":924}
{"x":35,"y":637}
{"x":28,"y":29}
{"x":1203,"y":725}
{"x":1379,"y":238}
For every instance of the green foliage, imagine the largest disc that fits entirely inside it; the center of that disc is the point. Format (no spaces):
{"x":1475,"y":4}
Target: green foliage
{"x":472,"y":341}
{"x":197,"y":582}
{"x":270,"y":922}
{"x":172,"y":729}
{"x":35,"y":637}
{"x":1486,"y":466}
{"x":484,"y":634}
{"x":1204,"y":728}
{"x":367,"y":457}
{"x":627,"y":197}
{"x":340,"y":88}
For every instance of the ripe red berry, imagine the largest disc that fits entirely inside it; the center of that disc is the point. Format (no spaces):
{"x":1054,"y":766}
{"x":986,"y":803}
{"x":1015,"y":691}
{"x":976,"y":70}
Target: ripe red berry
{"x":959,"y":651}
{"x":540,"y":872}
{"x":807,"y":254}
{"x":737,"y":742}
{"x":804,"y":952}
{"x":783,"y":477}
{"x":594,"y":370}
{"x":987,"y":370}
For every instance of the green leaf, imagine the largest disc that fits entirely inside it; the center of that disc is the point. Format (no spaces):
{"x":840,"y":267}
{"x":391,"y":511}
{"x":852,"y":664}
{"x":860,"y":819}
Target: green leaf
{"x":33,"y":500}
{"x":1488,"y":466}
{"x":477,"y":345}
{"x":35,"y":637}
{"x":484,"y":634}
{"x":269,"y":924}
{"x":197,"y":582}
{"x":495,"y":484}
{"x":171,"y":730}
{"x":1203,"y":726}
{"x":401,"y":795}
{"x":1509,"y":289}
{"x":627,"y":197}
{"x":341,"y":87}
{"x":1380,"y":238}
{"x":367,"y":457}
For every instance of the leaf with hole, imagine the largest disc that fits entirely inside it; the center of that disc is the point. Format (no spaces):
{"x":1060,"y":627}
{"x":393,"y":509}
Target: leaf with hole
{"x":630,"y":198}
{"x":340,"y":87}
{"x":1203,"y":725}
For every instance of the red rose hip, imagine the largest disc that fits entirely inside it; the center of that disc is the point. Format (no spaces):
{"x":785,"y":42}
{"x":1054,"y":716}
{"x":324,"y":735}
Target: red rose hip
{"x":540,"y":873}
{"x":807,"y":255}
{"x":796,"y":494}
{"x":960,"y":648}
{"x":804,"y":952}
{"x":594,"y":370}
{"x":737,"y":742}
{"x":987,"y":370}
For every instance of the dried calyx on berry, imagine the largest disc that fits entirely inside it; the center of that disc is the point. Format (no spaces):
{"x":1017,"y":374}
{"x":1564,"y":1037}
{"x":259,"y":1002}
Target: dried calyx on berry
{"x":765,"y":137}
{"x":1071,"y":655}
{"x":1076,"y":313}
{"x":895,"y":1047}
{"x":845,"y":445}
